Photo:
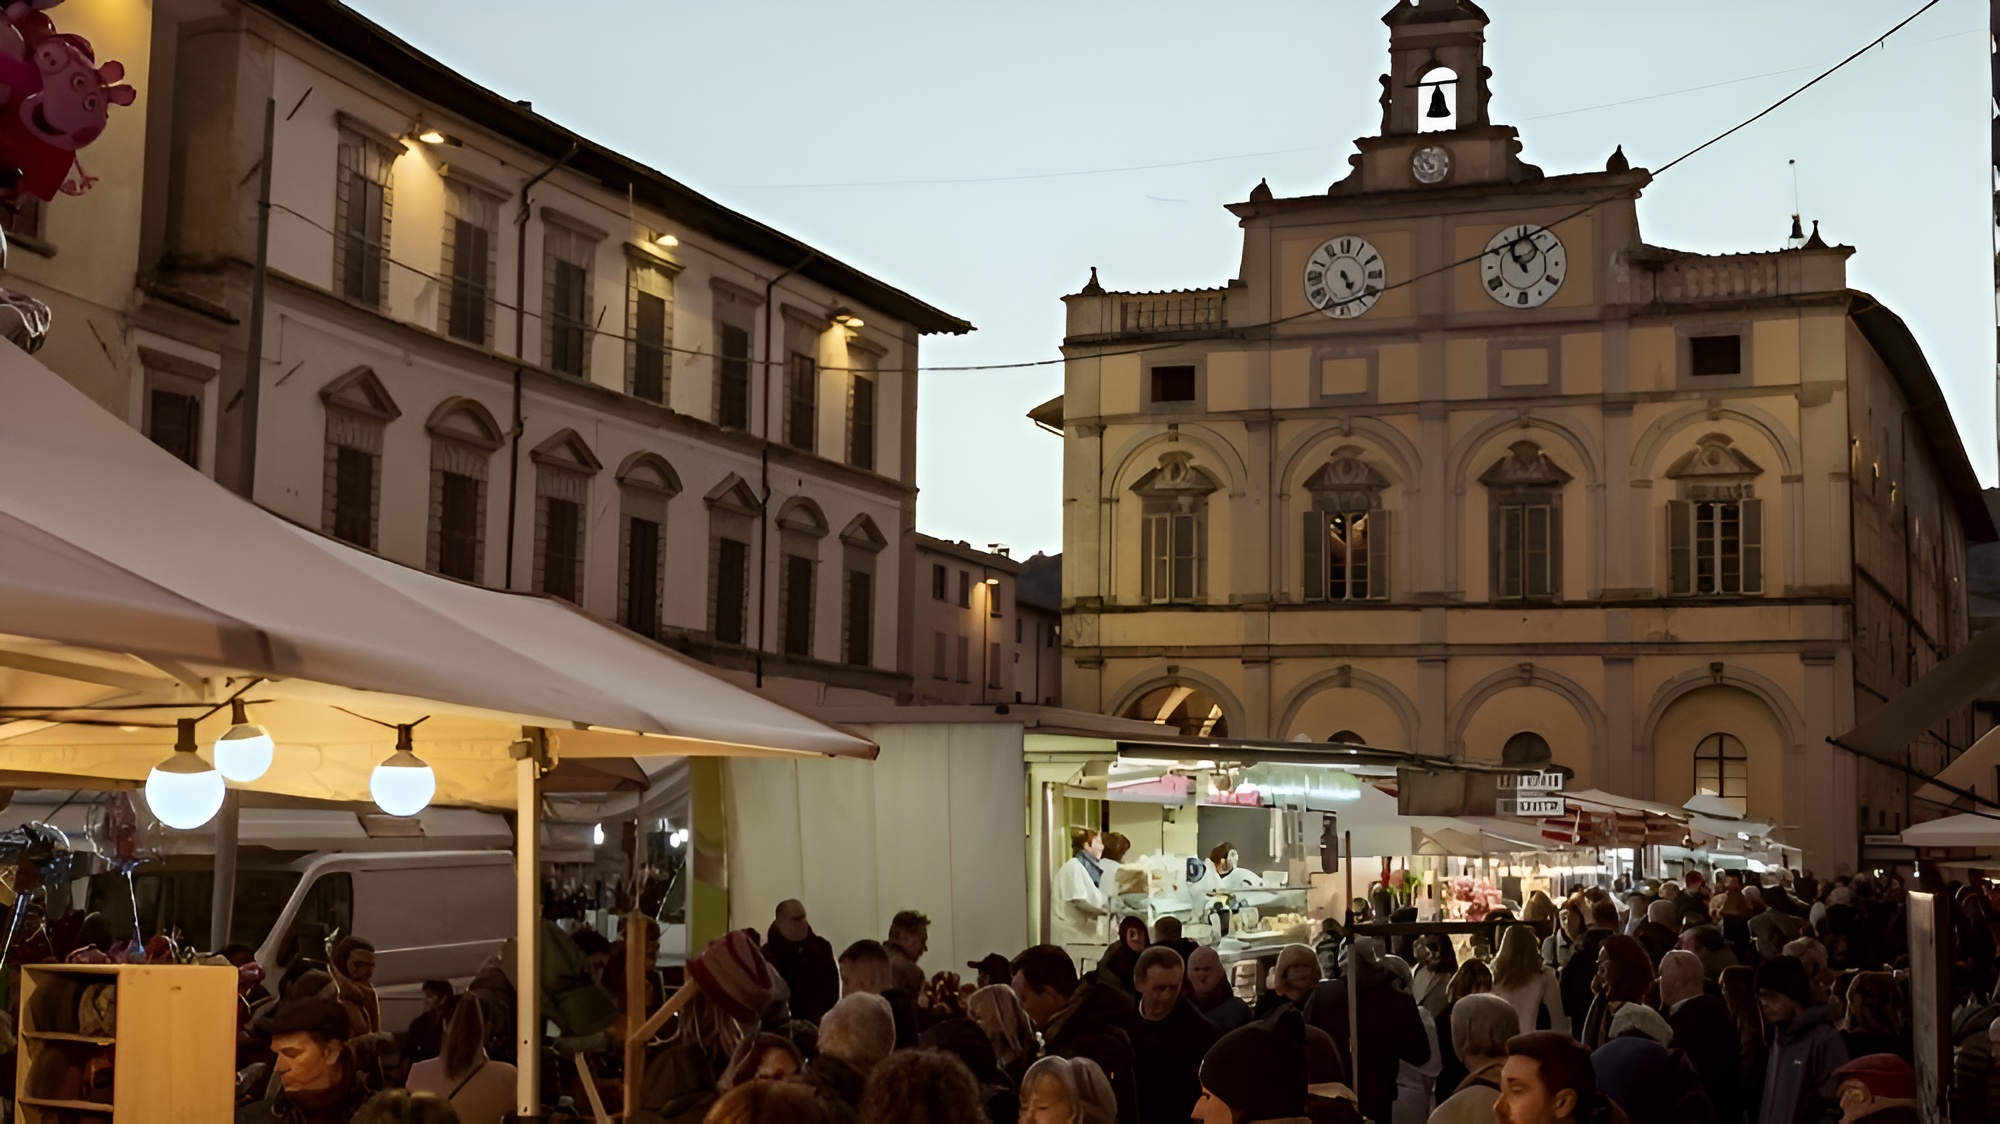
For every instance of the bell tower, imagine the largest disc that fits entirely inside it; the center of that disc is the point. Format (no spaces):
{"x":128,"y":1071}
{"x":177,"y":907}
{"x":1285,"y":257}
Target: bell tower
{"x":1437,"y":74}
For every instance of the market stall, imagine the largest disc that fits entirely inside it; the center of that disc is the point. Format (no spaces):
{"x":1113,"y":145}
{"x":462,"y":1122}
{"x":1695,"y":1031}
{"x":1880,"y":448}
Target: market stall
{"x":139,"y":600}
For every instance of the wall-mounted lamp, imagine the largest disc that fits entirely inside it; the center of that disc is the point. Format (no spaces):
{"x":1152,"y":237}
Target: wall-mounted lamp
{"x":667,"y":240}
{"x":847,"y":319}
{"x":436,"y":136}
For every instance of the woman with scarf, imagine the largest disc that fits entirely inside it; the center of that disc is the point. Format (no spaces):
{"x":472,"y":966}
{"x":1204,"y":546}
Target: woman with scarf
{"x":1079,"y":906}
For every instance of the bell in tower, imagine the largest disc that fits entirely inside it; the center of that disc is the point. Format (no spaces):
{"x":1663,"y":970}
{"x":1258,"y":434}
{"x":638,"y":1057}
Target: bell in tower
{"x":1437,"y":78}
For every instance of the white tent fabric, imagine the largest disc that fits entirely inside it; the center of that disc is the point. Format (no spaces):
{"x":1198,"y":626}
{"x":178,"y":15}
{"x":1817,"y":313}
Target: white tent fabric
{"x":1966,"y":829}
{"x":1972,"y":671}
{"x":206,"y":578}
{"x":1977,"y":770}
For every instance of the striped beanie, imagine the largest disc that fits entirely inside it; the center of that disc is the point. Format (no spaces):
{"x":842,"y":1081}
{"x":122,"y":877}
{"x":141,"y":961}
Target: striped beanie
{"x":731,"y":971}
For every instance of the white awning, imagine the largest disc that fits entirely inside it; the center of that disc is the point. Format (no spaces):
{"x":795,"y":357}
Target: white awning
{"x":1972,"y":671}
{"x":129,"y":577}
{"x":1977,"y":770}
{"x":1966,"y":829}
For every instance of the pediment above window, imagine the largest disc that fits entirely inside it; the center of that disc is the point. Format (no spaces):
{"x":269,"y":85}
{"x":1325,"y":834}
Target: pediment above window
{"x":1713,"y":456}
{"x":803,"y":516}
{"x":1347,"y":483}
{"x":733,"y":494}
{"x":1176,"y":477}
{"x":567,"y":450}
{"x":1524,"y":466}
{"x":361,"y":392}
{"x":649,"y":472}
{"x":862,"y":534}
{"x":467,"y":422}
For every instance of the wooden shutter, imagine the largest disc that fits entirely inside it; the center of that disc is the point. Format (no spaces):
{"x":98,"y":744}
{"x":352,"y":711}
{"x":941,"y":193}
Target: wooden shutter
{"x":1314,"y":541}
{"x":1378,"y":555}
{"x":1538,"y":572}
{"x":1151,"y":551}
{"x":649,"y":347}
{"x":1680,"y":548}
{"x":1750,"y":522}
{"x":1507,"y":576}
{"x":860,"y":616}
{"x":1186,"y":557}
{"x":862,"y":432}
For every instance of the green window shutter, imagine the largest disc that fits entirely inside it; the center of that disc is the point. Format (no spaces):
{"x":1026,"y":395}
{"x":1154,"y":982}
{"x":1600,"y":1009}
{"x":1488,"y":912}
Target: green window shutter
{"x":1148,"y":560}
{"x":1535,"y":564}
{"x":1680,"y":548}
{"x":1378,"y":555}
{"x":1314,"y":540}
{"x":1509,"y":573}
{"x":1182,"y":548}
{"x":1751,"y":518}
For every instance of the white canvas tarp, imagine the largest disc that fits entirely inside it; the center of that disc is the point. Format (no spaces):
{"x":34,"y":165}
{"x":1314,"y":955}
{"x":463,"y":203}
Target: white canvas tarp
{"x":1966,"y":829}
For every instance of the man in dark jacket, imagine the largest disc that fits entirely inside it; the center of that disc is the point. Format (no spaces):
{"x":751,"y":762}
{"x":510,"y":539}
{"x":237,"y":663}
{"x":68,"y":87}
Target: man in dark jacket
{"x":1168,"y":1041}
{"x":1703,"y":1031}
{"x":320,"y":1081}
{"x":1080,"y":1019}
{"x":805,"y":960}
{"x":1806,"y":1047}
{"x":1392,"y":1031}
{"x":1600,"y":920}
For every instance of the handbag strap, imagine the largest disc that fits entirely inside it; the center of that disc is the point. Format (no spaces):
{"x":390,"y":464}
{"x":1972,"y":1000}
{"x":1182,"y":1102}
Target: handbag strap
{"x":466,"y":1080}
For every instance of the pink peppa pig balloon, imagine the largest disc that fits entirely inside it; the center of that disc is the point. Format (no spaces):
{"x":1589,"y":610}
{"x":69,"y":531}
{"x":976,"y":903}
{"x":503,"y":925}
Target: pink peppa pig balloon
{"x":57,"y":100}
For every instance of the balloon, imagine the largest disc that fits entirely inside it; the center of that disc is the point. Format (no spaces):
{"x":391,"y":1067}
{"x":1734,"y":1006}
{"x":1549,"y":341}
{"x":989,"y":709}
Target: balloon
{"x":54,"y":100}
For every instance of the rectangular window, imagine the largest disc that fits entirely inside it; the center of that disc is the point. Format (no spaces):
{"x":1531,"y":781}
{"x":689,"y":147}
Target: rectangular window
{"x":801,"y":401}
{"x":566,"y":323}
{"x":1018,"y":622}
{"x":964,"y":660}
{"x":173,"y":421}
{"x":797,"y":613}
{"x":940,"y":582}
{"x":861,"y":425}
{"x":993,"y":665}
{"x":362,"y":202}
{"x":1715,"y":548}
{"x":732,"y":585}
{"x":471,"y":217}
{"x":1172,"y":547}
{"x":354,"y":496}
{"x":964,"y":590}
{"x":1346,"y":556}
{"x":562,"y":548}
{"x":1525,"y":568}
{"x":860,"y":617}
{"x":1715,"y":355}
{"x":458,"y":526}
{"x":732,"y":348}
{"x":642,"y":575}
{"x":24,"y":218}
{"x":940,"y":669}
{"x":992,"y":599}
{"x":649,"y":347}
{"x":652,"y":333}
{"x":1173,"y":384}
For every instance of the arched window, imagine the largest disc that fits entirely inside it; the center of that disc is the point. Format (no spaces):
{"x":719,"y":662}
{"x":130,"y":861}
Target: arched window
{"x":1174,"y":539}
{"x":1526,"y":748}
{"x":1345,"y":737}
{"x":1346,"y":533}
{"x":1722,"y":768}
{"x":1524,"y":496}
{"x":1189,"y":710}
{"x":1440,"y":100}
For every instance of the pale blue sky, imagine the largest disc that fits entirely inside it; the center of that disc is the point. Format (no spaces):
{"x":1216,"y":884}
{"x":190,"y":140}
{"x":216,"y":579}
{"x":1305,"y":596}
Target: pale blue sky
{"x":983,"y":134}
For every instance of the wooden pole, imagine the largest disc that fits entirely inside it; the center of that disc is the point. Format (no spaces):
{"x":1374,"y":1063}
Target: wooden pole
{"x":635,"y":1004}
{"x":1353,"y":980}
{"x":528,"y":931}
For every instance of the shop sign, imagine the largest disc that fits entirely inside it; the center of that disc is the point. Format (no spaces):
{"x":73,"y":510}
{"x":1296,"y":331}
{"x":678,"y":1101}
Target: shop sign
{"x":1525,"y":805}
{"x":1548,"y":780}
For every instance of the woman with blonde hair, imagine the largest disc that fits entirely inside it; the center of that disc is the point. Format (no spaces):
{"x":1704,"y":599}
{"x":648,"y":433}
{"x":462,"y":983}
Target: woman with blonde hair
{"x":1067,"y":1091}
{"x":767,"y":1102}
{"x":998,"y":1012}
{"x":1523,"y":980}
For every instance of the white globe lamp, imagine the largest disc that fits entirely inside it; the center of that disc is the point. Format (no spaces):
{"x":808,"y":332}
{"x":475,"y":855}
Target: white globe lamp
{"x":243,"y":753}
{"x":184,"y":792}
{"x":403,"y":785}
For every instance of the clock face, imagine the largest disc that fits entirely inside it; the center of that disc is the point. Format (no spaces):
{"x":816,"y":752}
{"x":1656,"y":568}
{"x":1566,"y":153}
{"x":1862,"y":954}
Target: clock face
{"x":1344,"y":277}
{"x":1523,"y":266}
{"x":1430,"y":164}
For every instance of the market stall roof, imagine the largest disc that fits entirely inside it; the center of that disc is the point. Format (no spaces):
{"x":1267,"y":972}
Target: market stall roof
{"x":1971,"y":672}
{"x":176,"y":583}
{"x":1967,"y":829}
{"x":1977,"y":770}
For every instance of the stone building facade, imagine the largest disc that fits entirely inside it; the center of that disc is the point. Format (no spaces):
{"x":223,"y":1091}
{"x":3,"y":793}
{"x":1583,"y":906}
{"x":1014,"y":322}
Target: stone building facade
{"x":1460,"y":463}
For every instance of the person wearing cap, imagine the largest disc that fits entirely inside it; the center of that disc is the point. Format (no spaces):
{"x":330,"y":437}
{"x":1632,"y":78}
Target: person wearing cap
{"x":993,"y":970}
{"x":1256,"y":1073}
{"x":804,"y":959}
{"x":1547,"y":1079}
{"x":1650,"y":1083}
{"x":319,"y":1080}
{"x":1877,"y":1088}
{"x":1806,"y":1047}
{"x":1169,"y":1039}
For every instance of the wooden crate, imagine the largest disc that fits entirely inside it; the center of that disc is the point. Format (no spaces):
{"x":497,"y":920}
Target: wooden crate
{"x":173,"y":1053}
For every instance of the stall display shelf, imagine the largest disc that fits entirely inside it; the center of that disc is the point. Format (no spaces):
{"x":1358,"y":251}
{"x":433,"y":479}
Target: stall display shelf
{"x":170,"y":1058}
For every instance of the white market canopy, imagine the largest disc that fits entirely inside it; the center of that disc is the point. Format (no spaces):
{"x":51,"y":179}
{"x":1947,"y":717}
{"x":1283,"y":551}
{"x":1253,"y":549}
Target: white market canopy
{"x":1967,"y":829}
{"x":127,"y":577}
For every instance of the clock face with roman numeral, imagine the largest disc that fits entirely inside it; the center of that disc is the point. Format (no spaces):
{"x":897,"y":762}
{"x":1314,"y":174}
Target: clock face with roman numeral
{"x":1523,"y":266}
{"x":1344,"y":277}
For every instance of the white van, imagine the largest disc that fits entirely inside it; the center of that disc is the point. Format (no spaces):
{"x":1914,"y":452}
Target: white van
{"x":430,"y":914}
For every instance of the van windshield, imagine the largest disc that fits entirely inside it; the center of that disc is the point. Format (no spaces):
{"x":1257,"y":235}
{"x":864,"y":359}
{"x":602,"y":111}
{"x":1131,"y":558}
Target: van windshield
{"x":171,"y":899}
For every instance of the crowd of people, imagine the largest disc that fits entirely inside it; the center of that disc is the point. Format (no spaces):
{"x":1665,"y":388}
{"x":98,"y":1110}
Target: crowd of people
{"x":1777,"y":1000}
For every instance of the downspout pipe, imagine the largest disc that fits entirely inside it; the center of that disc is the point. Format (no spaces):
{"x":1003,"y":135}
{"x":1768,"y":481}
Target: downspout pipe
{"x":520,"y":359}
{"x":764,"y":466}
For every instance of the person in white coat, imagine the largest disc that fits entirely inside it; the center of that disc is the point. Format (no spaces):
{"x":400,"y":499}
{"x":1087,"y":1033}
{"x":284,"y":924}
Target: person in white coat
{"x":1077,"y":914}
{"x":1522,"y":979}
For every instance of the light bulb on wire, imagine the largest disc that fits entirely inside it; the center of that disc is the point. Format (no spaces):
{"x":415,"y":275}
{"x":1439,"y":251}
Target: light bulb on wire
{"x":184,"y":791}
{"x":243,"y":754}
{"x":403,"y":785}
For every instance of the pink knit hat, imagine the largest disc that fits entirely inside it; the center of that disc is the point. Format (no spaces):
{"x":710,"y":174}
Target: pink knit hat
{"x":731,"y":971}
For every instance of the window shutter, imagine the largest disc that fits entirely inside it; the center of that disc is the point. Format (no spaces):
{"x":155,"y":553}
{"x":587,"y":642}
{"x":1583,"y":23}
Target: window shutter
{"x":1378,"y":555}
{"x":1680,"y":548}
{"x":1538,"y":581}
{"x":1314,"y":540}
{"x":1751,"y":528}
{"x":1510,"y":551}
{"x":1153,"y":578}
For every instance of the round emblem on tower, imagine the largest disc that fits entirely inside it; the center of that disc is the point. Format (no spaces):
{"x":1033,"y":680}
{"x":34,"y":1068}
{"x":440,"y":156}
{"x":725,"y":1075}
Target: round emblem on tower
{"x":1431,"y":164}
